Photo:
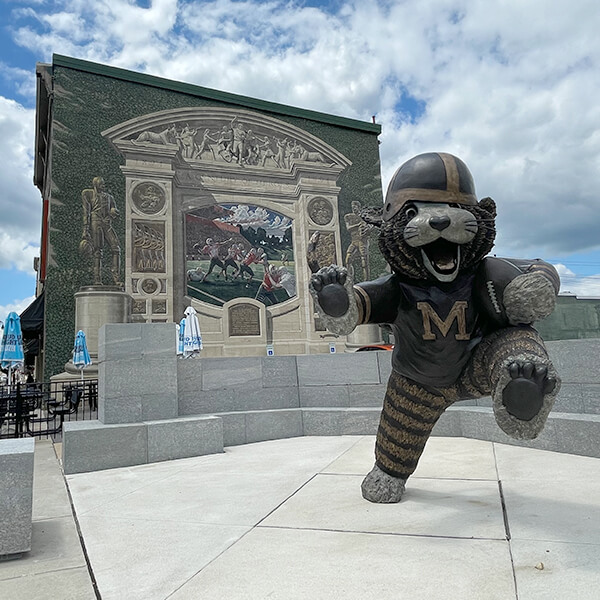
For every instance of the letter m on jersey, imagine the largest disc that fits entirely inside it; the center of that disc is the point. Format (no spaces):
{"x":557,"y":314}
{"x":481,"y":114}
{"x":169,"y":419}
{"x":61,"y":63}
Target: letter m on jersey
{"x":457,"y":313}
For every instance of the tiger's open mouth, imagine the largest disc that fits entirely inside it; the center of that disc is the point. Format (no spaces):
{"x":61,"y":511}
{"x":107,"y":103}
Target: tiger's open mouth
{"x":442,"y":259}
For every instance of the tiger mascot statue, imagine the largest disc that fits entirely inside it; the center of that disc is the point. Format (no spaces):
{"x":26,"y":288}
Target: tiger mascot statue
{"x":462,"y":320}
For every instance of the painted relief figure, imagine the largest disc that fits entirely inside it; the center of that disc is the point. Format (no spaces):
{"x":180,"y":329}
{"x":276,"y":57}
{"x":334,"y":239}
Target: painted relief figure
{"x":232,"y":142}
{"x":164,"y":136}
{"x":187,"y":141}
{"x":239,"y":250}
{"x":99,"y":212}
{"x":205,"y":146}
{"x":148,"y":247}
{"x":359,"y":240}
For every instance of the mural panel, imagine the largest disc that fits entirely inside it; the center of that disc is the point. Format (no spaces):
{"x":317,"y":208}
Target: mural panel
{"x":148,"y":246}
{"x":239,"y":251}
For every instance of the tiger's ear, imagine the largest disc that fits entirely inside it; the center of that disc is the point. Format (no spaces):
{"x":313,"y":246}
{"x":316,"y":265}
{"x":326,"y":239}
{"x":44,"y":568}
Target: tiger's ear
{"x":372,"y":216}
{"x":489,"y":206}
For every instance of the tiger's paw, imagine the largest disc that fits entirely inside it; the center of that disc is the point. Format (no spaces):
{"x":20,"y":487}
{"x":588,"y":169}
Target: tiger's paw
{"x":382,"y":488}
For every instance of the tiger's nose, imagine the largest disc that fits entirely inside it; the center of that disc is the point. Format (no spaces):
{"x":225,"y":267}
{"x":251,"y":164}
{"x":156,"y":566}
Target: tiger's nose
{"x":439,"y":223}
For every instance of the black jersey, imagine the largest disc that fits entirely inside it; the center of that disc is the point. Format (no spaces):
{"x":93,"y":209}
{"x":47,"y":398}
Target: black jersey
{"x":437,"y":325}
{"x":434,"y":326}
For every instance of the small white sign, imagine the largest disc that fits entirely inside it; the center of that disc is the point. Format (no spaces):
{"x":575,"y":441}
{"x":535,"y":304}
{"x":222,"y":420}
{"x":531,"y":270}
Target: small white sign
{"x":331,"y":348}
{"x":270,"y":351}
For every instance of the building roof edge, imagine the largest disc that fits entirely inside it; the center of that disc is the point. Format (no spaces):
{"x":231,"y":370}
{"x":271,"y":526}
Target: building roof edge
{"x":196,"y":90}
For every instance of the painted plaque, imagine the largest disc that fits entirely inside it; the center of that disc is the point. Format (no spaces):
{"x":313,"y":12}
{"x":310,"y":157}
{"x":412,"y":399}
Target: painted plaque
{"x":244,"y":319}
{"x":149,"y":198}
{"x":138,"y":307}
{"x":239,"y":251}
{"x":320,"y":211}
{"x":159,"y":306}
{"x":325,"y":251}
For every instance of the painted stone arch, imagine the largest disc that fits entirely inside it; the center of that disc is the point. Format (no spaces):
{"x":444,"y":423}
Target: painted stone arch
{"x":225,"y":135}
{"x":239,"y":174}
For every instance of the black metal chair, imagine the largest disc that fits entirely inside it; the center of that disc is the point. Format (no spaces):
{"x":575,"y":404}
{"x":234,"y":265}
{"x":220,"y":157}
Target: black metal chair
{"x":56,"y":409}
{"x":16,"y":407}
{"x":69,"y":406}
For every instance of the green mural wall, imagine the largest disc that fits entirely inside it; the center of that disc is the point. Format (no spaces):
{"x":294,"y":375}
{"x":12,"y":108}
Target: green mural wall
{"x":574,"y":318}
{"x":85,"y":104}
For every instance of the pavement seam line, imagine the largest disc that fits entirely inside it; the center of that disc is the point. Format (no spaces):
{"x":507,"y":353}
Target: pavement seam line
{"x":49,"y":571}
{"x":81,"y":540}
{"x":252,"y":528}
{"x":386,"y":533}
{"x":285,"y":500}
{"x":212,"y":560}
{"x":504,"y":512}
{"x":360,"y":439}
{"x":508,"y":537}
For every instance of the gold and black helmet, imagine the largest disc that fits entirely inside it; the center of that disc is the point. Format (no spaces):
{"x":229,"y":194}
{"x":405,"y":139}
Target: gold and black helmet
{"x":430,"y":177}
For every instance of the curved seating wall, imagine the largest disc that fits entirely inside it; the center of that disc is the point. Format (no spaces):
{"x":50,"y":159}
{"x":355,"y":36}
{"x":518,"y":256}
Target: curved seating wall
{"x":153,"y":406}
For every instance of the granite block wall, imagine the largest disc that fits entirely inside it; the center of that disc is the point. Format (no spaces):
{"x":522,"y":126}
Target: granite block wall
{"x":189,"y":407}
{"x":137,"y":373}
{"x":352,"y":380}
{"x":16,"y":496}
{"x":217,"y":385}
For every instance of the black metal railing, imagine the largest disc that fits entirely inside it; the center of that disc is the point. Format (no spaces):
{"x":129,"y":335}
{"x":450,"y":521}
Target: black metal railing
{"x":40,"y":409}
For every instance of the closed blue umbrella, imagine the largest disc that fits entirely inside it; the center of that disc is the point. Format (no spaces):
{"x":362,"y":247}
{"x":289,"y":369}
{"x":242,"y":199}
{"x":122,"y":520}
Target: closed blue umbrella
{"x":180,"y":336}
{"x":81,"y":356}
{"x":11,"y":349}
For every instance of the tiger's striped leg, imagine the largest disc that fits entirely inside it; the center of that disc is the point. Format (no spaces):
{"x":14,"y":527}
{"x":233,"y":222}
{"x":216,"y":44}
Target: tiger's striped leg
{"x":514,"y":365}
{"x":409,"y":414}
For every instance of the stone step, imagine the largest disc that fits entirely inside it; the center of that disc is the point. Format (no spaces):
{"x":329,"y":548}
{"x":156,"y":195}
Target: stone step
{"x":564,"y":432}
{"x":93,"y":446}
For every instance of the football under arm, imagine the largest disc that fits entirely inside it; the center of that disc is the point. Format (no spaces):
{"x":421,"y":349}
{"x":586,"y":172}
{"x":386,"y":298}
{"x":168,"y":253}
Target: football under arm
{"x":517,"y":291}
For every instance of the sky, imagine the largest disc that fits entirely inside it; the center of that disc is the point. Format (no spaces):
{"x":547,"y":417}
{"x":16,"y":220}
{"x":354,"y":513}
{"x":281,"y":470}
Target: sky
{"x":512,"y":87}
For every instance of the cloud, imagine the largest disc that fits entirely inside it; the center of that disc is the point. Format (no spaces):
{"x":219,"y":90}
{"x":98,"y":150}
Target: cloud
{"x":573,"y":284}
{"x":509,"y":87}
{"x":20,"y":202}
{"x":20,"y":79}
{"x":256,"y":217}
{"x":17,"y":252}
{"x":17,"y":306}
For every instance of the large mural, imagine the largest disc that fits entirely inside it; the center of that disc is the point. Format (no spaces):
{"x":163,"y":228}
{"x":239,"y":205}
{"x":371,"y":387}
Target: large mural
{"x":239,"y":250}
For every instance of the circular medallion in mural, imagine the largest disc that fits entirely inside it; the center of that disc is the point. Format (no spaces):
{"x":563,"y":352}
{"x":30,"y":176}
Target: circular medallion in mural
{"x":320,"y":211}
{"x":149,"y":286}
{"x":149,"y":198}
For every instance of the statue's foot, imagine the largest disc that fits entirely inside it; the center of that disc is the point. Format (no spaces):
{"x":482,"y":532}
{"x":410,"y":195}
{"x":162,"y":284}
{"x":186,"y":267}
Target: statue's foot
{"x":523,"y":396}
{"x":382,"y":488}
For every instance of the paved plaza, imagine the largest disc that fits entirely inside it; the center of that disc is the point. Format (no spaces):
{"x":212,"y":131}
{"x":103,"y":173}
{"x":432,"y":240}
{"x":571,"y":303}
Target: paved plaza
{"x":285,"y":519}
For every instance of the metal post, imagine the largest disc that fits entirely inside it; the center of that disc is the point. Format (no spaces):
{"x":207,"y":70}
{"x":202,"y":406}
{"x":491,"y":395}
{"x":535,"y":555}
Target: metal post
{"x":19,"y":413}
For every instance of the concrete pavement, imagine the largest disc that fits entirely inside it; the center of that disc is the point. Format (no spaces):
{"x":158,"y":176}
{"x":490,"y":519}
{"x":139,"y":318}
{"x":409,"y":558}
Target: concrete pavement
{"x":56,"y":566}
{"x":285,"y":519}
